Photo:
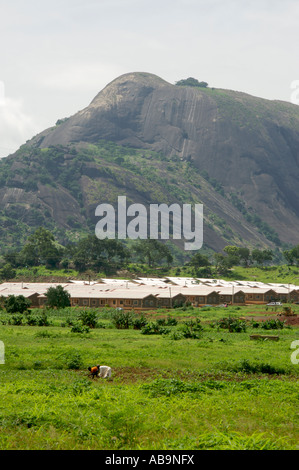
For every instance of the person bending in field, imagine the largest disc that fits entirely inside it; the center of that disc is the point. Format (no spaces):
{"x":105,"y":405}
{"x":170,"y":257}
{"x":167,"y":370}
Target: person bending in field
{"x":100,"y":371}
{"x":94,"y":371}
{"x":105,"y":372}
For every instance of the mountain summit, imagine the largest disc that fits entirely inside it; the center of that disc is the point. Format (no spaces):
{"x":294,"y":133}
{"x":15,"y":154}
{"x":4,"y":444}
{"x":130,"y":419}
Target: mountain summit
{"x":235,"y":153}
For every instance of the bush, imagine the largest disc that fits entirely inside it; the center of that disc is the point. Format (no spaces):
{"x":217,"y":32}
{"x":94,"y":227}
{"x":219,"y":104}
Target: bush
{"x":75,"y":361}
{"x":122,"y":320}
{"x":139,"y":322}
{"x":79,"y":328}
{"x":176,"y":335}
{"x":233,"y":325}
{"x":42,"y":320}
{"x":88,"y":318}
{"x":16,"y":320}
{"x":273,"y":324}
{"x":263,"y":368}
{"x":31,"y":320}
{"x":154,"y":328}
{"x":16,"y":304}
{"x":192,"y":329}
{"x":171,"y":321}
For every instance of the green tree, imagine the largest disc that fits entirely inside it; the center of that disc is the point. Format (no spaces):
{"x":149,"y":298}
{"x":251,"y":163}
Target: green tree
{"x":94,"y":254}
{"x":58,"y":297}
{"x":292,"y":256}
{"x":244,"y":254}
{"x":199,"y":260}
{"x":7,"y":272}
{"x":191,"y":82}
{"x":152,"y":251}
{"x":16,"y":304}
{"x":223,"y":263}
{"x":41,"y":249}
{"x":261,"y":256}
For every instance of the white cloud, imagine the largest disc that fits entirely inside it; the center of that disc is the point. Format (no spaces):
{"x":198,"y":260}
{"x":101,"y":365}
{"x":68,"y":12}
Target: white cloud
{"x":65,"y":51}
{"x":15,"y":126}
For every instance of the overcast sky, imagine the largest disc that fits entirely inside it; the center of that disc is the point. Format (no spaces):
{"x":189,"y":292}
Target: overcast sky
{"x":57,"y":55}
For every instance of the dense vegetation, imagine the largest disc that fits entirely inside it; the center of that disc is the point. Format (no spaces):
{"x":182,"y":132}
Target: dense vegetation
{"x":90,"y":173}
{"x":93,"y":256}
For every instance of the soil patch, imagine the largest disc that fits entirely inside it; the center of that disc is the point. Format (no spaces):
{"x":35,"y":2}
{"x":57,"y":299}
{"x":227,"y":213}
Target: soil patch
{"x":292,"y":320}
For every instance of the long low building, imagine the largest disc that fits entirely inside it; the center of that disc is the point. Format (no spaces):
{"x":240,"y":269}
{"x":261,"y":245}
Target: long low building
{"x":148,"y":294}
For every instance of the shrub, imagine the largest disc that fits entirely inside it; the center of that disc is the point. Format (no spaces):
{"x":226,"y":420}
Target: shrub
{"x":171,"y":321}
{"x":73,"y":360}
{"x":254,"y":324}
{"x":176,"y":335}
{"x":88,"y":318}
{"x":16,"y":304}
{"x":79,"y":328}
{"x":122,"y":320}
{"x":255,"y":368}
{"x":16,"y":320}
{"x":31,"y":320}
{"x":272,"y":324}
{"x":42,"y":320}
{"x":192,"y":329}
{"x":233,"y":325}
{"x":139,"y":322}
{"x":154,"y":328}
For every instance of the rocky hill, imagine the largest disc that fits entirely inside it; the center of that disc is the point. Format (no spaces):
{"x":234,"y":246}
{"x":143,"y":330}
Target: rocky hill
{"x":156,"y":142}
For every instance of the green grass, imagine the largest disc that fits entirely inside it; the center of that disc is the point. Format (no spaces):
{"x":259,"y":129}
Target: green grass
{"x":221,"y":391}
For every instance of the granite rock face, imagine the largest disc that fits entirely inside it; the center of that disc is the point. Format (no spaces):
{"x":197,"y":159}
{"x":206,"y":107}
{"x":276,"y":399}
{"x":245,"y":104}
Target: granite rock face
{"x":248,"y":146}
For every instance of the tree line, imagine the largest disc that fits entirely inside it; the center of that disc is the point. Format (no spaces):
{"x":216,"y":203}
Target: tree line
{"x":235,"y":256}
{"x":89,"y":253}
{"x":92,"y":254}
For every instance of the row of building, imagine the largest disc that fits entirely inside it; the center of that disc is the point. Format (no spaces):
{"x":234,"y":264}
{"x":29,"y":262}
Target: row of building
{"x":145,"y":293}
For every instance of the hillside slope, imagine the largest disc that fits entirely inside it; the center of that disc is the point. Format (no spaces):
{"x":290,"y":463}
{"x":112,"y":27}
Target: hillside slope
{"x":157,"y":142}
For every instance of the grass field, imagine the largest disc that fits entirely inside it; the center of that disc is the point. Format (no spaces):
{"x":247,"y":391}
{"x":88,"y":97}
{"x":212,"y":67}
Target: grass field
{"x":219,"y":390}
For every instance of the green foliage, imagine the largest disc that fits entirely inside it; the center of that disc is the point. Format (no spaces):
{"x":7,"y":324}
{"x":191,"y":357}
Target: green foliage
{"x":78,"y":327}
{"x":233,"y":325}
{"x":258,"y":368}
{"x":139,"y":322}
{"x":7,"y":272}
{"x":88,"y":318}
{"x":90,"y":253}
{"x":74,"y":361}
{"x":155,"y":328}
{"x":192,"y":329}
{"x":214,"y":393}
{"x":16,"y":304}
{"x":152,"y":251}
{"x":292,"y":255}
{"x":273,"y":324}
{"x":58,"y":297}
{"x":41,"y":249}
{"x":37,"y":320}
{"x":191,"y":82}
{"x":121,"y":319}
{"x":16,"y":319}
